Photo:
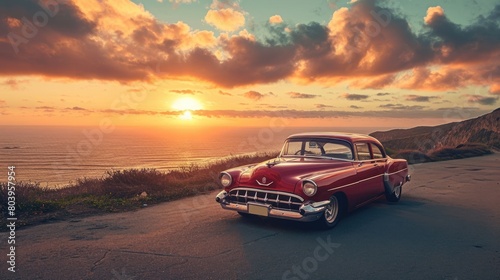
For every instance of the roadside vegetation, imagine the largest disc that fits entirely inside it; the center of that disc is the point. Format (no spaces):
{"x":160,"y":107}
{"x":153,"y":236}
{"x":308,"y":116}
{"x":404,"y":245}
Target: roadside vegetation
{"x":459,"y":152}
{"x":117,"y":191}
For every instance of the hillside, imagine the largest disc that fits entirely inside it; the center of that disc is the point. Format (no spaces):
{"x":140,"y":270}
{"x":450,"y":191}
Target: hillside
{"x":481,"y":130}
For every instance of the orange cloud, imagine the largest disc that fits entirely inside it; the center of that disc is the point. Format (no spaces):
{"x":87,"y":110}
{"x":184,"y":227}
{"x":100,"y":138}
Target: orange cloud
{"x":254,"y":95}
{"x":275,"y":19}
{"x":495,"y":89}
{"x":225,"y":19}
{"x":364,"y":46}
{"x":433,"y":13}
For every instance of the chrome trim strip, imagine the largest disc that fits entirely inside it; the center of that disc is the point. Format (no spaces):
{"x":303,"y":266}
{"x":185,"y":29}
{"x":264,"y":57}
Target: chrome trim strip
{"x":347,"y":185}
{"x":279,"y":213}
{"x":264,"y":185}
{"x":310,"y":181}
{"x":318,"y":157}
{"x":396,"y":171}
{"x":267,"y":191}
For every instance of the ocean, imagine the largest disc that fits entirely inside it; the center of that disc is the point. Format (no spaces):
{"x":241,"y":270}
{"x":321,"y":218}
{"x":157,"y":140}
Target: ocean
{"x":56,"y":156}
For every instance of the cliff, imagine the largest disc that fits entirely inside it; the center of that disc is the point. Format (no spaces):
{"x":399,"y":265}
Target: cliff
{"x":481,"y":130}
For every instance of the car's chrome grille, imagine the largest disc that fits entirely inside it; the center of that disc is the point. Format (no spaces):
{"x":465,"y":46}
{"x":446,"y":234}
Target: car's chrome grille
{"x":278,"y":200}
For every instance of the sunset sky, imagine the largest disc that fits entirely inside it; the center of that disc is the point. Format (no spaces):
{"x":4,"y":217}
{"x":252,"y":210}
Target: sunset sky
{"x":181,"y":63}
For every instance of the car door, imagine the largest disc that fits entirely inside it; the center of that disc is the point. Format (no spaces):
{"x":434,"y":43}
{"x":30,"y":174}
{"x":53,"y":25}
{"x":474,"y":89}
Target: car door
{"x":368,"y":173}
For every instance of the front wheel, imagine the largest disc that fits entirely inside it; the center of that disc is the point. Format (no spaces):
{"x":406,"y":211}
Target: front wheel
{"x":395,"y":196}
{"x":332,"y":214}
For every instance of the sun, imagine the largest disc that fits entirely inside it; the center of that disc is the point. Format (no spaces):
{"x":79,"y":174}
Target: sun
{"x":186,"y":115}
{"x":187,"y":105}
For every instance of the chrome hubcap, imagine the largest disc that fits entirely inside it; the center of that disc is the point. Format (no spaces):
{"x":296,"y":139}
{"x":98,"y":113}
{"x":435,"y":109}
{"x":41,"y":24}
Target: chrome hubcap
{"x":332,"y":210}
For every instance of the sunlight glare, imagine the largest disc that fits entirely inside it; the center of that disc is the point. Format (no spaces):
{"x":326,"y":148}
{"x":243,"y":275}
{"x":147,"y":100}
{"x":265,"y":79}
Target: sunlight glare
{"x":186,"y":103}
{"x":186,"y":116}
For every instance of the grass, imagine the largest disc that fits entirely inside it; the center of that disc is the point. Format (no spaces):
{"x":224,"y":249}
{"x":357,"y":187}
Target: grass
{"x":117,"y":190}
{"x":449,"y":153}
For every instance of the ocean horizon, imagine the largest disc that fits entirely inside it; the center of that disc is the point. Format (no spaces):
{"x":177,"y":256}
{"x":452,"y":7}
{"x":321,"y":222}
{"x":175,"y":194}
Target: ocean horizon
{"x":56,"y":156}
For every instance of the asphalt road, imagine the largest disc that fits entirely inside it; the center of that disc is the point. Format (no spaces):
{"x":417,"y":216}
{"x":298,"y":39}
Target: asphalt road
{"x":447,"y":226}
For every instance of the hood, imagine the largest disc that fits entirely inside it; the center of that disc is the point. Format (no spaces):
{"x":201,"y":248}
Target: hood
{"x":284,"y":174}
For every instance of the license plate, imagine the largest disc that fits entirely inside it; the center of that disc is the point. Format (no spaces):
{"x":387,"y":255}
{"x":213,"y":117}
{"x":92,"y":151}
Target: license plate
{"x":260,"y":210}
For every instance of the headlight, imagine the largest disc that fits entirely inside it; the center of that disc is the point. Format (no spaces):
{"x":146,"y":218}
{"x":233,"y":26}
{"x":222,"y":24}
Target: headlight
{"x":225,"y":179}
{"x":309,"y":188}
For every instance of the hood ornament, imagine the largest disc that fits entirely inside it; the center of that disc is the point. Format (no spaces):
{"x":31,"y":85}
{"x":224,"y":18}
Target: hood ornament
{"x":272,"y":163}
{"x":264,"y":182}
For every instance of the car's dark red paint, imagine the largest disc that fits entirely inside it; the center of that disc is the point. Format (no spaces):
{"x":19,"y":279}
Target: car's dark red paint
{"x":354,"y":172}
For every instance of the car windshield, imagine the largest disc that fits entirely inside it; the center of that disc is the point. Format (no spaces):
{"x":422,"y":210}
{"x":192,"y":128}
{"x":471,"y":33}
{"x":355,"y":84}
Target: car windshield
{"x":310,"y":147}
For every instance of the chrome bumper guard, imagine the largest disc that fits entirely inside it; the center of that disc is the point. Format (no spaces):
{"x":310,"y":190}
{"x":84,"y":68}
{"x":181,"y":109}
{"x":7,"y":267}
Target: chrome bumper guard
{"x":308,"y":211}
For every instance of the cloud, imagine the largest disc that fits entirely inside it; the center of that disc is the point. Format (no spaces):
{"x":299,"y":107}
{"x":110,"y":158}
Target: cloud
{"x":179,"y":1}
{"x":352,"y":96}
{"x":433,"y":14}
{"x":225,"y":93}
{"x":13,"y":83}
{"x":401,"y":107}
{"x":355,"y":107}
{"x":410,"y":112}
{"x":419,"y":98}
{"x":47,"y":109}
{"x":365,"y":45}
{"x":224,"y":4}
{"x":389,"y":111}
{"x":76,"y":108}
{"x":483,"y":100}
{"x":183,"y":91}
{"x":383,"y":93}
{"x":495,"y":89}
{"x":225,"y":19}
{"x":302,"y":95}
{"x":254,"y":95}
{"x":322,"y":106}
{"x":275,"y":19}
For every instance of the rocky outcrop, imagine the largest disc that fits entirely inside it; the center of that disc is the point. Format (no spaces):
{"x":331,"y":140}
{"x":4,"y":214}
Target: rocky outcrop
{"x":484,"y":130}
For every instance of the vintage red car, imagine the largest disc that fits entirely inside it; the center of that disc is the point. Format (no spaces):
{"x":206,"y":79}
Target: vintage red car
{"x":316,"y":177}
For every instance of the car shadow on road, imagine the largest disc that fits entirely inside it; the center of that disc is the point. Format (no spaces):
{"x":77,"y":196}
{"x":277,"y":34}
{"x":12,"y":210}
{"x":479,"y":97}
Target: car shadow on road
{"x":368,"y":213}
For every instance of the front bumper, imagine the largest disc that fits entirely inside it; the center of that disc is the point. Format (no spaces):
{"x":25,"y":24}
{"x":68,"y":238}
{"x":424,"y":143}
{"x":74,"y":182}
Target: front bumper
{"x":308,"y":211}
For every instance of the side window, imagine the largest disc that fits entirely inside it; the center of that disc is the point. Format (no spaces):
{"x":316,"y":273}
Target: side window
{"x":377,"y":152}
{"x":363,"y":151}
{"x":336,"y":150}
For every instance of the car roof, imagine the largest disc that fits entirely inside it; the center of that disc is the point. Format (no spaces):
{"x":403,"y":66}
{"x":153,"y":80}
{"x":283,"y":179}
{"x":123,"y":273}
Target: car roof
{"x":351,"y":137}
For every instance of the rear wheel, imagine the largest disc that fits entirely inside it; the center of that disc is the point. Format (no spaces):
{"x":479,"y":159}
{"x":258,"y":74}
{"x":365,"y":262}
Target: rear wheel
{"x":332,"y":214}
{"x":395,"y":196}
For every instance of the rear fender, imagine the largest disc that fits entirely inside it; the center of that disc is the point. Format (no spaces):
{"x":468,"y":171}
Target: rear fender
{"x":396,"y":174}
